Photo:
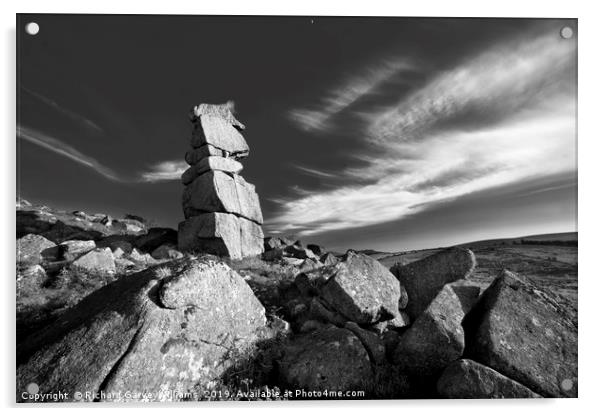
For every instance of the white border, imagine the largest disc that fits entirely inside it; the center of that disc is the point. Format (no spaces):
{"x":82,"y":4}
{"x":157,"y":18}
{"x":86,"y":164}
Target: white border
{"x":590,"y":176}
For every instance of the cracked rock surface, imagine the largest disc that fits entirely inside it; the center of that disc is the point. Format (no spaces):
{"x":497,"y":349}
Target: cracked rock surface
{"x":151,"y":332}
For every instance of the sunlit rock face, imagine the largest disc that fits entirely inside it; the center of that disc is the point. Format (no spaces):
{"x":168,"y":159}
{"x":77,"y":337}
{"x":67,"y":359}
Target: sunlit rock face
{"x":221,"y":210}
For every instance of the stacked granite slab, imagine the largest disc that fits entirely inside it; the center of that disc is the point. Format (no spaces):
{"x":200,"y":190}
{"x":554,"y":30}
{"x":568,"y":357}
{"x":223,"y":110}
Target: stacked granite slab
{"x":222,"y":211}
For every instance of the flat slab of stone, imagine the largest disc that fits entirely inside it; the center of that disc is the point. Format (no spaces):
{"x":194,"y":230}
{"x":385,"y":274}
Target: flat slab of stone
{"x":211,"y":163}
{"x":467,"y":379}
{"x":362,"y":290}
{"x":251,"y":238}
{"x":220,"y":234}
{"x":222,"y":111}
{"x":217,"y":191}
{"x":423,"y":279}
{"x":195,"y":155}
{"x":218,"y":133}
{"x":527,"y":334}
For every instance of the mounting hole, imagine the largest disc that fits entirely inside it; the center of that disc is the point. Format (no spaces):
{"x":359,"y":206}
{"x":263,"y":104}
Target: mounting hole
{"x":566,"y":32}
{"x":32,"y":28}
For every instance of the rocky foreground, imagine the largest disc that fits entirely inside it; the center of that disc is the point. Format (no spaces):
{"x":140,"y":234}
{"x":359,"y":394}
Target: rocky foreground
{"x":109,"y":310}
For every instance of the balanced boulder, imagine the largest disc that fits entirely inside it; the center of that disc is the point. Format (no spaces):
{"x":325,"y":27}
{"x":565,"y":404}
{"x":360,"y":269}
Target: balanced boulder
{"x":221,"y":210}
{"x":219,"y":133}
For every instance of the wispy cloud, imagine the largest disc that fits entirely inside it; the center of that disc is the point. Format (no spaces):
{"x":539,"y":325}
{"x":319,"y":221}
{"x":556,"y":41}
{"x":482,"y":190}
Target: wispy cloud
{"x":164,"y":171}
{"x":500,"y":117}
{"x":352,"y":90}
{"x":63,"y":110}
{"x":57,"y":146}
{"x":159,"y":172}
{"x":314,"y":172}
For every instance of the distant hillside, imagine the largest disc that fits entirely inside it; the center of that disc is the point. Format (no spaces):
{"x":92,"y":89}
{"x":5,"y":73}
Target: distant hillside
{"x":557,"y":239}
{"x":543,"y":238}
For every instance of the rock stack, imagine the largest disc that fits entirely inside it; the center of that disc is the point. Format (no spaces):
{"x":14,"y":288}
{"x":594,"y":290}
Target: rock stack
{"x":221,"y":210}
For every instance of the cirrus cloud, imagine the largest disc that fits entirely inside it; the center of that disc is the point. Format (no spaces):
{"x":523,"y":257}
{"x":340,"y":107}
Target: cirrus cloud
{"x":502,"y":116}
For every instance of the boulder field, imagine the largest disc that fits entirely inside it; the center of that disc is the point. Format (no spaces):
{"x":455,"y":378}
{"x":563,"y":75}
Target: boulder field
{"x":351,"y":324}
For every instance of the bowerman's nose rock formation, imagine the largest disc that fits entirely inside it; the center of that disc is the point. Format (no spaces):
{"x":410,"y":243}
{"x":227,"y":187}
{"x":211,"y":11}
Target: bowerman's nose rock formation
{"x":222,"y":211}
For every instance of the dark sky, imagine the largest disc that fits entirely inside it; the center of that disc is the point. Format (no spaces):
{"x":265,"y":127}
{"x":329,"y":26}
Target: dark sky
{"x":385,"y":133}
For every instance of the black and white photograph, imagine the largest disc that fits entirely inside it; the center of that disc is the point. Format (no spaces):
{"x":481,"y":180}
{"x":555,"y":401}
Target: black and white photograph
{"x":295,"y":208}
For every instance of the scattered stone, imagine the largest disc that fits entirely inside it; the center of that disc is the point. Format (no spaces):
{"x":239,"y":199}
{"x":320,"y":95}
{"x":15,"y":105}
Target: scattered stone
{"x":115,"y":243}
{"x":309,"y":264}
{"x":296,"y":308}
{"x":271,"y":255}
{"x":329,"y":358}
{"x":273,"y":243}
{"x":135,"y":218}
{"x":527,"y":334}
{"x":34,"y":249}
{"x":316,"y":249}
{"x":80,"y":214}
{"x":320,"y":312}
{"x":373,"y":344}
{"x":131,"y":226}
{"x":362,"y":290}
{"x":466,"y":379}
{"x":143,"y":259}
{"x":156,"y":237}
{"x":166,"y":252}
{"x":310,"y":282}
{"x":120,"y":338}
{"x":72,"y":249}
{"x":397,"y":323}
{"x":299,"y":252}
{"x":291,"y":261}
{"x":310,"y":325}
{"x":329,"y":259}
{"x":423,"y":279}
{"x":106,"y":220}
{"x":97,"y":261}
{"x":436,"y":338}
{"x":23,"y":203}
{"x":280,"y":326}
{"x":123,"y":265}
